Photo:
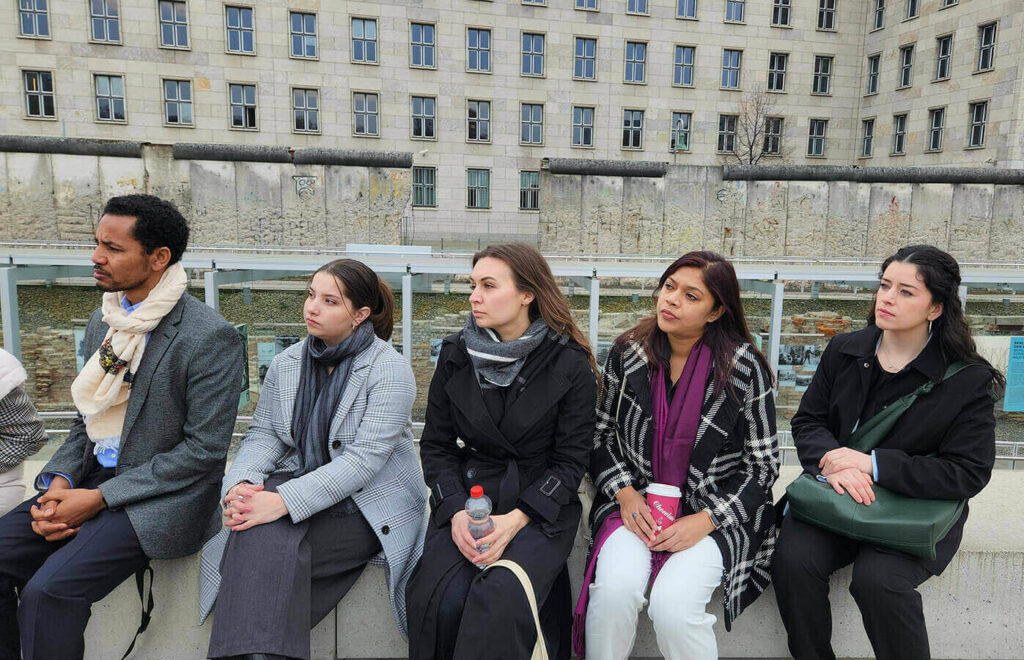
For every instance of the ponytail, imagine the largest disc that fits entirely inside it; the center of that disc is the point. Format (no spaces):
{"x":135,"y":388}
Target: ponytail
{"x":383,"y":315}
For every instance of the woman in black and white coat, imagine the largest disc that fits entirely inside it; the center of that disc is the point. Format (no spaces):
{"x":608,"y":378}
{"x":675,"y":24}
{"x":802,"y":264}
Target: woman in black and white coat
{"x":697,"y":350}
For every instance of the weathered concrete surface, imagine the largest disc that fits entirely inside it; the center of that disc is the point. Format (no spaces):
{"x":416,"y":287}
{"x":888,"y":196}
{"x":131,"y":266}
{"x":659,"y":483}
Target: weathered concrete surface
{"x":847,"y":219}
{"x":970,"y":228}
{"x":931,"y":206}
{"x":214,"y":215}
{"x":806,"y":227}
{"x":642,"y":228}
{"x":888,"y":218}
{"x":684,"y":209}
{"x":29,"y":210}
{"x":560,"y":228}
{"x":764,"y":230}
{"x":76,"y":195}
{"x":601,"y":203}
{"x":1007,"y":240}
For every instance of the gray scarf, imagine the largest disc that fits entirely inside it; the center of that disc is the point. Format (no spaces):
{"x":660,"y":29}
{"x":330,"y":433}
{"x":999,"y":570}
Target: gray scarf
{"x":497,"y":363}
{"x":319,"y":394}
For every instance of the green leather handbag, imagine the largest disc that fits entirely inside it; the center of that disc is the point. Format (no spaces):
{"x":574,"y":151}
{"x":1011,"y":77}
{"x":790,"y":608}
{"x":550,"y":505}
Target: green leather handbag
{"x":908,"y":524}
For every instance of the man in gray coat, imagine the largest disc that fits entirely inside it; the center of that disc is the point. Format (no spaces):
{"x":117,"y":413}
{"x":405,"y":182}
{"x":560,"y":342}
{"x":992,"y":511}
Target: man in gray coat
{"x":138,"y":476}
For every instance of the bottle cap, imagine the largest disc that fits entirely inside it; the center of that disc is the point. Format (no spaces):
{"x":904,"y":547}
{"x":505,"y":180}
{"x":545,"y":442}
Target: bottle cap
{"x":476,"y":491}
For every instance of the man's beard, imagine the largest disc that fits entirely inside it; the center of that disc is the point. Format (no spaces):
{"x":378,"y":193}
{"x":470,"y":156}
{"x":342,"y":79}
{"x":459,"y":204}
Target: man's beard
{"x":117,"y":286}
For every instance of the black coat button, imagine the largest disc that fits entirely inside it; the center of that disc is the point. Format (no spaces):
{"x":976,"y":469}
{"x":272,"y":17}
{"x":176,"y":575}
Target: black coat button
{"x":470,"y":473}
{"x":385,"y":530}
{"x":336,"y":444}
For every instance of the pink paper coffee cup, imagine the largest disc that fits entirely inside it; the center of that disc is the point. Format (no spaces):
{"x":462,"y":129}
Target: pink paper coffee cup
{"x":663,"y":501}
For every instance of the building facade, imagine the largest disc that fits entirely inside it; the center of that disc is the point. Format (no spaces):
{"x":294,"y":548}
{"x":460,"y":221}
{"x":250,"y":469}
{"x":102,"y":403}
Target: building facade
{"x":481,"y":91}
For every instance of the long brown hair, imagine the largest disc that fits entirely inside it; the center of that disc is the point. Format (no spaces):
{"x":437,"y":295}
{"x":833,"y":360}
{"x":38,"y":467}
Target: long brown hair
{"x":532,"y":274}
{"x":364,"y":288}
{"x":722,"y":336}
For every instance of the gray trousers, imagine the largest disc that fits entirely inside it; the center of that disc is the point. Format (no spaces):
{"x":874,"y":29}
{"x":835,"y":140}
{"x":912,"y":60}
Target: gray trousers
{"x":280,"y":579}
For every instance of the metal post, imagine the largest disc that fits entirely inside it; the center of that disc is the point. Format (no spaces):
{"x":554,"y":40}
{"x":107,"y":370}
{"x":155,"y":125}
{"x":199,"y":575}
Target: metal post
{"x":595,"y":301}
{"x":775,"y":326}
{"x":9,"y":310}
{"x":407,"y":316}
{"x":212,"y":289}
{"x":963,"y":298}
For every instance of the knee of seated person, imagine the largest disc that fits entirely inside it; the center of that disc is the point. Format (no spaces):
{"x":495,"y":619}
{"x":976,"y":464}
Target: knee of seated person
{"x":675,"y":608}
{"x":867,"y":584}
{"x":620,"y":590}
{"x":449,"y":613}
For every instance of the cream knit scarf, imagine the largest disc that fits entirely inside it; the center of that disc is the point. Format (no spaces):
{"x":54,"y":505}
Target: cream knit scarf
{"x":101,"y":390}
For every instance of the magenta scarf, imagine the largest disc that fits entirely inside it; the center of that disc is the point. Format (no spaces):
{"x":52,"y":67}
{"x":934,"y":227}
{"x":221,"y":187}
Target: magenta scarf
{"x":675,"y":433}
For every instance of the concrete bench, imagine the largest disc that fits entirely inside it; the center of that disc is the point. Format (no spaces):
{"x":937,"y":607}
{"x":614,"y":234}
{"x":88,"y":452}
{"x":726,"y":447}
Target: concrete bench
{"x":974,"y":610}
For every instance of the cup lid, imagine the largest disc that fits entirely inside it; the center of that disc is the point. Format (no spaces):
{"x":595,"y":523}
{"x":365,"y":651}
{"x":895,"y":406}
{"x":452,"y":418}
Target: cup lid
{"x":664,"y":489}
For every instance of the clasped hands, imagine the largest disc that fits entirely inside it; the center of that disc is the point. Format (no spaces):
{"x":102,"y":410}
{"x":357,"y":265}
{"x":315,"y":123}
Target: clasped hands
{"x":247,"y":505}
{"x":61,"y":510}
{"x":682,"y":534}
{"x":505,"y":529}
{"x":847,"y":470}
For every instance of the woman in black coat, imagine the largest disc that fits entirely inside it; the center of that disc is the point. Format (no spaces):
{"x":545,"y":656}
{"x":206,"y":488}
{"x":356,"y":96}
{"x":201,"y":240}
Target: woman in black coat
{"x":942,"y":447}
{"x":511,"y":408}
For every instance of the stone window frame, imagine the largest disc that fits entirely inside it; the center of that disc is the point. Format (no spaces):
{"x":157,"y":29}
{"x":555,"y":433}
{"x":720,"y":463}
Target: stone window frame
{"x":40,"y":93}
{"x":774,"y":74}
{"x":973,"y":123}
{"x":367,"y":93}
{"x":173,"y":23}
{"x":873,"y":77}
{"x":905,"y":69}
{"x":425,"y":187}
{"x":576,"y":5}
{"x":631,"y":66}
{"x":255,"y":105}
{"x":241,"y":29}
{"x":867,"y":137}
{"x":423,"y":45}
{"x":728,"y":68}
{"x":631,"y":128}
{"x":303,"y":34}
{"x":900,"y":121}
{"x":473,"y":201}
{"x":531,"y":192}
{"x":105,"y":19}
{"x":532,"y":54}
{"x":823,"y":77}
{"x":741,"y":6}
{"x":946,"y":4}
{"x":531,"y":123}
{"x":681,"y":66}
{"x":939,"y":58}
{"x":534,"y":3}
{"x":306,"y":89}
{"x":773,"y":136}
{"x":353,"y":39}
{"x":725,"y":133}
{"x":933,"y":130}
{"x":424,"y":116}
{"x":583,"y":126}
{"x":178,"y":101}
{"x":827,"y":12}
{"x":489,"y":50}
{"x":813,"y":138}
{"x":686,"y":17}
{"x":110,"y":95}
{"x":674,"y":131}
{"x":36,"y":17}
{"x":778,"y":7}
{"x":986,"y":48}
{"x":912,"y":9}
{"x":878,"y":16}
{"x":488,"y":121}
{"x":577,"y":58}
{"x":644,"y":11}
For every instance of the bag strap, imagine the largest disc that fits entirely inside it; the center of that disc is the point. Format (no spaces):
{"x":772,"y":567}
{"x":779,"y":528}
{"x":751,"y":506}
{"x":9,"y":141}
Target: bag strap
{"x":540,"y":651}
{"x":147,"y":607}
{"x":871,"y":433}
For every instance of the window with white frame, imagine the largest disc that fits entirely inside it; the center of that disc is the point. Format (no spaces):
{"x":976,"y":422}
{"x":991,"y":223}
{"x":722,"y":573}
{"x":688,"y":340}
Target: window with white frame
{"x":948,"y":3}
{"x":178,"y":102}
{"x":781,"y":10}
{"x":478,"y":188}
{"x":173,"y":24}
{"x":734,"y":10}
{"x":874,"y":62}
{"x":899,"y":134}
{"x":305,"y":110}
{"x":632,"y":129}
{"x":979,"y":116}
{"x":777,"y":65}
{"x":827,"y":15}
{"x":109,"y":97}
{"x":534,"y":2}
{"x":817,"y":132}
{"x":936,"y":124}
{"x":105,"y":21}
{"x":242,"y":101}
{"x":529,"y":190}
{"x":773,"y":129}
{"x":303,"y":35}
{"x":636,"y":6}
{"x":727,"y":133}
{"x":986,"y":46}
{"x":686,"y":8}
{"x":424,"y":186}
{"x":364,"y":40}
{"x":913,"y":8}
{"x":867,"y":137}
{"x":478,"y":117}
{"x":589,"y":5}
{"x":943,"y":56}
{"x":33,"y":18}
{"x":906,"y":66}
{"x":531,"y":123}
{"x":822,"y":80}
{"x":680,"y":134}
{"x":732,"y":60}
{"x":582,"y":126}
{"x":682,"y":71}
{"x":39,"y":97}
{"x":636,"y":58}
{"x":533,"y":54}
{"x":365,"y":113}
{"x":421,"y":43}
{"x":585,"y":59}
{"x":424,"y":117}
{"x":478,"y":50}
{"x":241,"y":31}
{"x":879,"y":14}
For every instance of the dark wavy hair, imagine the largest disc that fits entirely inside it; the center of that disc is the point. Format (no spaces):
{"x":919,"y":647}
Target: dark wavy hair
{"x":364,"y":288}
{"x":941,"y":276}
{"x":723,"y":336}
{"x":158,"y":223}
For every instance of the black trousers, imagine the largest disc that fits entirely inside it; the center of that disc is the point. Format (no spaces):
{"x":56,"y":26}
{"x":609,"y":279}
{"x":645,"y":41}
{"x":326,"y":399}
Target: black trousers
{"x":884,"y":585}
{"x":59,"y":581}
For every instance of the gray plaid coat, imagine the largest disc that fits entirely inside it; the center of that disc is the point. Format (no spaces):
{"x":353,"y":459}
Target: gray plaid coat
{"x":373,"y":461}
{"x":735,"y":461}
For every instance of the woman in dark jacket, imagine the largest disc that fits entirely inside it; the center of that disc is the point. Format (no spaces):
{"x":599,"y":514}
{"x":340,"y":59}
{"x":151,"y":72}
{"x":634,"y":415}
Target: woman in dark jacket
{"x":511,"y":408}
{"x":687,"y":402}
{"x":942,"y":447}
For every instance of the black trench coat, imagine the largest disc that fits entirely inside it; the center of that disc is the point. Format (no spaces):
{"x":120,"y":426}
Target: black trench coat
{"x":533,"y":459}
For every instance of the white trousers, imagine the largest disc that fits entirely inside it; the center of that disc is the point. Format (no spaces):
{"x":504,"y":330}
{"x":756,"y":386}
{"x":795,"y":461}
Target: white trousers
{"x":12,"y":491}
{"x":679,"y":599}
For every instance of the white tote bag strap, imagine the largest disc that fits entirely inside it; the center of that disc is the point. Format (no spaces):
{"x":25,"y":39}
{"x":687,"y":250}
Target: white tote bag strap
{"x":540,"y":650}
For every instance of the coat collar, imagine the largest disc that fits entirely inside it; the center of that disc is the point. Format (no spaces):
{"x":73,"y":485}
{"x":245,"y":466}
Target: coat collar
{"x":929,"y":362}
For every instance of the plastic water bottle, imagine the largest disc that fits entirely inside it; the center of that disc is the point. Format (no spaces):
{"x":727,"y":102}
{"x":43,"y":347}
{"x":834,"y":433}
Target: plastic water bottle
{"x":478,"y":506}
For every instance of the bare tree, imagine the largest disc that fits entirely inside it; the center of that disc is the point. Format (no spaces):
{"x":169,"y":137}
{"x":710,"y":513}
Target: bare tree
{"x":758,"y":129}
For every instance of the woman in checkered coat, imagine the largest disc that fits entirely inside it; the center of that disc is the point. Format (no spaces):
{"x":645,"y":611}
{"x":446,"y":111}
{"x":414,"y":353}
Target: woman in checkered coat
{"x":687,"y":402}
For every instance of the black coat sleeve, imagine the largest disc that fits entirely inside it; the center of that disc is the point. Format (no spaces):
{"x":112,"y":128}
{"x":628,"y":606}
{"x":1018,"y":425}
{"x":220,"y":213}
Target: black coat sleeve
{"x":811,"y":433}
{"x":440,"y":456}
{"x":574,"y":435}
